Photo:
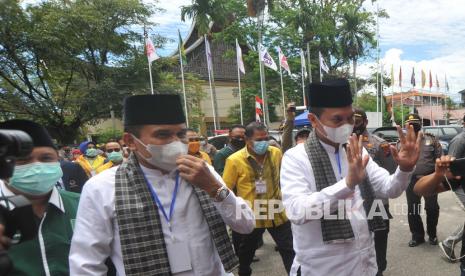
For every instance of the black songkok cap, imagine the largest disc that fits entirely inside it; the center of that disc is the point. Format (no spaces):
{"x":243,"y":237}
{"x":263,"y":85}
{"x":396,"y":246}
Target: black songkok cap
{"x":162,"y":109}
{"x":333,"y":93}
{"x":40,"y":136}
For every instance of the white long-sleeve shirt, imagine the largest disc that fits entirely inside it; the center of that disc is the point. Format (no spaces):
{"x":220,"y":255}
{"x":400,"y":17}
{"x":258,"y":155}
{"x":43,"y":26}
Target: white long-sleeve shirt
{"x":300,"y":194}
{"x":96,"y":234}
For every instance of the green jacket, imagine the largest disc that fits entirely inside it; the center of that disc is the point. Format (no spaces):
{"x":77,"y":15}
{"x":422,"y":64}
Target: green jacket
{"x":47,"y":252}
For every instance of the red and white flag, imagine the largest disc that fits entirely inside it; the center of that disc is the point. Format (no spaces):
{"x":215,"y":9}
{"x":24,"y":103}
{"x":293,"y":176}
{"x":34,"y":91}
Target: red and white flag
{"x":150,"y":50}
{"x":283,"y":61}
{"x":258,"y":108}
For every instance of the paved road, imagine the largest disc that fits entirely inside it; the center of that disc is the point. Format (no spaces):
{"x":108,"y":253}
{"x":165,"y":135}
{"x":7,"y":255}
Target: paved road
{"x":402,"y":260}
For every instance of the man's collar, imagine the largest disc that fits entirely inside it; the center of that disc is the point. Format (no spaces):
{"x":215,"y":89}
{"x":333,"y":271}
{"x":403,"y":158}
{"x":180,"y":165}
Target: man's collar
{"x":55,"y":198}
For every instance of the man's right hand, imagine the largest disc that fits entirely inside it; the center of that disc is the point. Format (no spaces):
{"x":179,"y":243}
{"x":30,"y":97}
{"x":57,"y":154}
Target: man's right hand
{"x":357,"y":162}
{"x":5,"y":242}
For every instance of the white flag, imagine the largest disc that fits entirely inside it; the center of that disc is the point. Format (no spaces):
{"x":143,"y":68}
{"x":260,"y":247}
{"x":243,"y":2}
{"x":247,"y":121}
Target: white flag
{"x":266,"y":58}
{"x":283,"y":61}
{"x":209,"y":54}
{"x":302,"y":62}
{"x":150,"y":50}
{"x":323,"y":65}
{"x":240,"y":62}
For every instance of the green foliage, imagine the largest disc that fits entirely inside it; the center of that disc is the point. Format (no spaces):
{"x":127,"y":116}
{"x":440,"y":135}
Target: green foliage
{"x":64,"y":63}
{"x":106,"y":135}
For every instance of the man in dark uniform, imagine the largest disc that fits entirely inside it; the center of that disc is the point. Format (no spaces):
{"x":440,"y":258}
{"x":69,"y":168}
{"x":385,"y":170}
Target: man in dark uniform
{"x":380,"y":153}
{"x":236,"y":142}
{"x":429,"y":151}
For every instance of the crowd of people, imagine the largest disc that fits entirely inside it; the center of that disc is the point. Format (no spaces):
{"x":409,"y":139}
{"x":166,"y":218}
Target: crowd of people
{"x":163,"y":201}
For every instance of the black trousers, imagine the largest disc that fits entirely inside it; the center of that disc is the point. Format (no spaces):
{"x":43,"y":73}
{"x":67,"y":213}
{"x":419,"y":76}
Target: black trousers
{"x":462,"y":251}
{"x":414,"y":219}
{"x":381,"y":239}
{"x":247,"y":244}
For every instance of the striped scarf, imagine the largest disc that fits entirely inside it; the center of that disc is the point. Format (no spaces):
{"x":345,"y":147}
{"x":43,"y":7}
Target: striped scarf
{"x":142,"y":240}
{"x":337,"y":230}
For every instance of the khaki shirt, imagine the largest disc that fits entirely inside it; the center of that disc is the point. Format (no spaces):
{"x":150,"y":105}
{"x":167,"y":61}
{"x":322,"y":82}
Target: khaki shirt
{"x":379,"y":151}
{"x":430,"y":150}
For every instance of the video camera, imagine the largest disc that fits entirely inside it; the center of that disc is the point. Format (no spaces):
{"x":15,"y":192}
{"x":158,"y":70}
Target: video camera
{"x":13,"y":144}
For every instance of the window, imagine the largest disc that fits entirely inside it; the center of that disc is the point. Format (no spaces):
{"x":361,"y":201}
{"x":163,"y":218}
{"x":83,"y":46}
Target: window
{"x":450,"y":131}
{"x":434,"y":131}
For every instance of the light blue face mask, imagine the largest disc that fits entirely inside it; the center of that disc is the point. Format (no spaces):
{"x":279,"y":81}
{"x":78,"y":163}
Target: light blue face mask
{"x":36,"y":178}
{"x":115,"y":156}
{"x":91,"y":152}
{"x":260,"y":147}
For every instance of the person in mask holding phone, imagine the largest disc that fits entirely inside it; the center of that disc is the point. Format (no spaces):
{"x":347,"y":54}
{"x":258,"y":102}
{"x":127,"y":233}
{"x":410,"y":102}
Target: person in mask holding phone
{"x":253,"y":173}
{"x":332,"y":169}
{"x":161,"y":212}
{"x":40,"y":233}
{"x":90,"y":160}
{"x":236,"y":142}
{"x":194,"y":146}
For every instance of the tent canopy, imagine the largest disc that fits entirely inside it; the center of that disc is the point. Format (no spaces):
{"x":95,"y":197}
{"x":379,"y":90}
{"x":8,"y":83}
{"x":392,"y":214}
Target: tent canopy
{"x":302,"y":120}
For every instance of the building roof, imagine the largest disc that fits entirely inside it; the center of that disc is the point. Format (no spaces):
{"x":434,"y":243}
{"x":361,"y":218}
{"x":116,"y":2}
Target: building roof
{"x":462,"y":92}
{"x":224,"y":69}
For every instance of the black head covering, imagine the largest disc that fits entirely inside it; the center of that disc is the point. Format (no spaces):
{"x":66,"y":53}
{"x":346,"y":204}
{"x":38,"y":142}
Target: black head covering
{"x":40,"y":136}
{"x":333,"y":93}
{"x":413,"y":118}
{"x":153,"y":110}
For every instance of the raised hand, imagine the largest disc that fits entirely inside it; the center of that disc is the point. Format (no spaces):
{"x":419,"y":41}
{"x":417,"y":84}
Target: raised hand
{"x":357,"y":162}
{"x":409,"y":151}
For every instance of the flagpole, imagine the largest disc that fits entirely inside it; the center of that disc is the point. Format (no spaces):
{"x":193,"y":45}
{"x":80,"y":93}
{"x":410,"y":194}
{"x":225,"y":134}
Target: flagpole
{"x":210,"y":83}
{"x":239,"y":83}
{"x":262,"y":83}
{"x":183,"y":85}
{"x":150,"y":63}
{"x":309,"y":63}
{"x":302,"y":68}
{"x":282,"y":87}
{"x":381,"y":92}
{"x":321,"y":76}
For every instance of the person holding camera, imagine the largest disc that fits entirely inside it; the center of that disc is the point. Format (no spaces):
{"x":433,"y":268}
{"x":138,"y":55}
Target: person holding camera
{"x":37,"y":237}
{"x":440,"y":181}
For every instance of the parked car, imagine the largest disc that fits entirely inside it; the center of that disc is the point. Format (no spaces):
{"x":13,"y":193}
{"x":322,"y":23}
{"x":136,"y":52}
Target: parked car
{"x":387,"y":133}
{"x":444,"y":134}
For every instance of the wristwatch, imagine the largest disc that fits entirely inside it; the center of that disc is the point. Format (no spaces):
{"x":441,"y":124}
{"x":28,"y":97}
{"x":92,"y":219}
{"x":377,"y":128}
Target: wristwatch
{"x":221,"y":194}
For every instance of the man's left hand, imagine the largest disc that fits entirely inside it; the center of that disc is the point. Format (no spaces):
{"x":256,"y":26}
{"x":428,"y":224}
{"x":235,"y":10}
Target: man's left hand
{"x":409,"y":151}
{"x":195,"y":171}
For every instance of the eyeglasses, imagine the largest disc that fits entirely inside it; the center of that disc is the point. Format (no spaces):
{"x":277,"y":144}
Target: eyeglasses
{"x":113,"y":150}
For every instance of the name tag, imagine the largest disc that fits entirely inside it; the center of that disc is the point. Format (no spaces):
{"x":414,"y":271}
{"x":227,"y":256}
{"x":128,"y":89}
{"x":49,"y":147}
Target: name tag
{"x":179,"y":257}
{"x":260,"y":186}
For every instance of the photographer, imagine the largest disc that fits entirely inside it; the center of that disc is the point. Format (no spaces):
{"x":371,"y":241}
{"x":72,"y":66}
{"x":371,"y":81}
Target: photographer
{"x":443,"y":180}
{"x":37,"y":236}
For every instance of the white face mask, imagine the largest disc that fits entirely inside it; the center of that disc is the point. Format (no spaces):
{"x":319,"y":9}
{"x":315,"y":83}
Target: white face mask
{"x":164,"y":156}
{"x":338,"y":135}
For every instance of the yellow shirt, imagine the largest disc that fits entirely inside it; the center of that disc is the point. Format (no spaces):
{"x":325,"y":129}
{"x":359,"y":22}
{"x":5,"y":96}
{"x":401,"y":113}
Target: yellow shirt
{"x":105,"y":166}
{"x":89,"y":168}
{"x":240,"y":177}
{"x":204,"y":156}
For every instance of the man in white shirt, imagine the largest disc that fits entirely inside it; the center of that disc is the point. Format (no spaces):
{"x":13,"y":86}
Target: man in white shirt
{"x":161,"y":212}
{"x":318,"y":175}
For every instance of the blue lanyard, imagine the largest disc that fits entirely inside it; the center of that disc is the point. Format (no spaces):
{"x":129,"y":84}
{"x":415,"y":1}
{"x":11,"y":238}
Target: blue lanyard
{"x":157,"y":200}
{"x":338,"y":159}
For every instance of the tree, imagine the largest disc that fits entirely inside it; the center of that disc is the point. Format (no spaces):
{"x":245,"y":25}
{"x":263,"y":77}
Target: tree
{"x":355,"y":35}
{"x":65,"y":63}
{"x":204,"y":13}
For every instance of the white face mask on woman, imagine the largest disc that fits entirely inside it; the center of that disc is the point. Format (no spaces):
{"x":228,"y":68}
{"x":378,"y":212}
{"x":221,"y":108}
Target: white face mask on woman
{"x":338,"y":135}
{"x":164,"y":156}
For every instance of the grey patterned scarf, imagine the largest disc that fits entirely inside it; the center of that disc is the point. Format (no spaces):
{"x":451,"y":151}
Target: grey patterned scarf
{"x":141,"y":234}
{"x":337,"y":230}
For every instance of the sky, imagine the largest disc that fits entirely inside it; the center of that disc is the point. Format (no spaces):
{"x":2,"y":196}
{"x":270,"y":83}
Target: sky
{"x":421,"y":34}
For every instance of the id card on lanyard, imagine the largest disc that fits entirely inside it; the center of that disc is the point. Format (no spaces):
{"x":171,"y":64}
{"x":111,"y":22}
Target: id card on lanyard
{"x":178,"y":251}
{"x":260,"y":183}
